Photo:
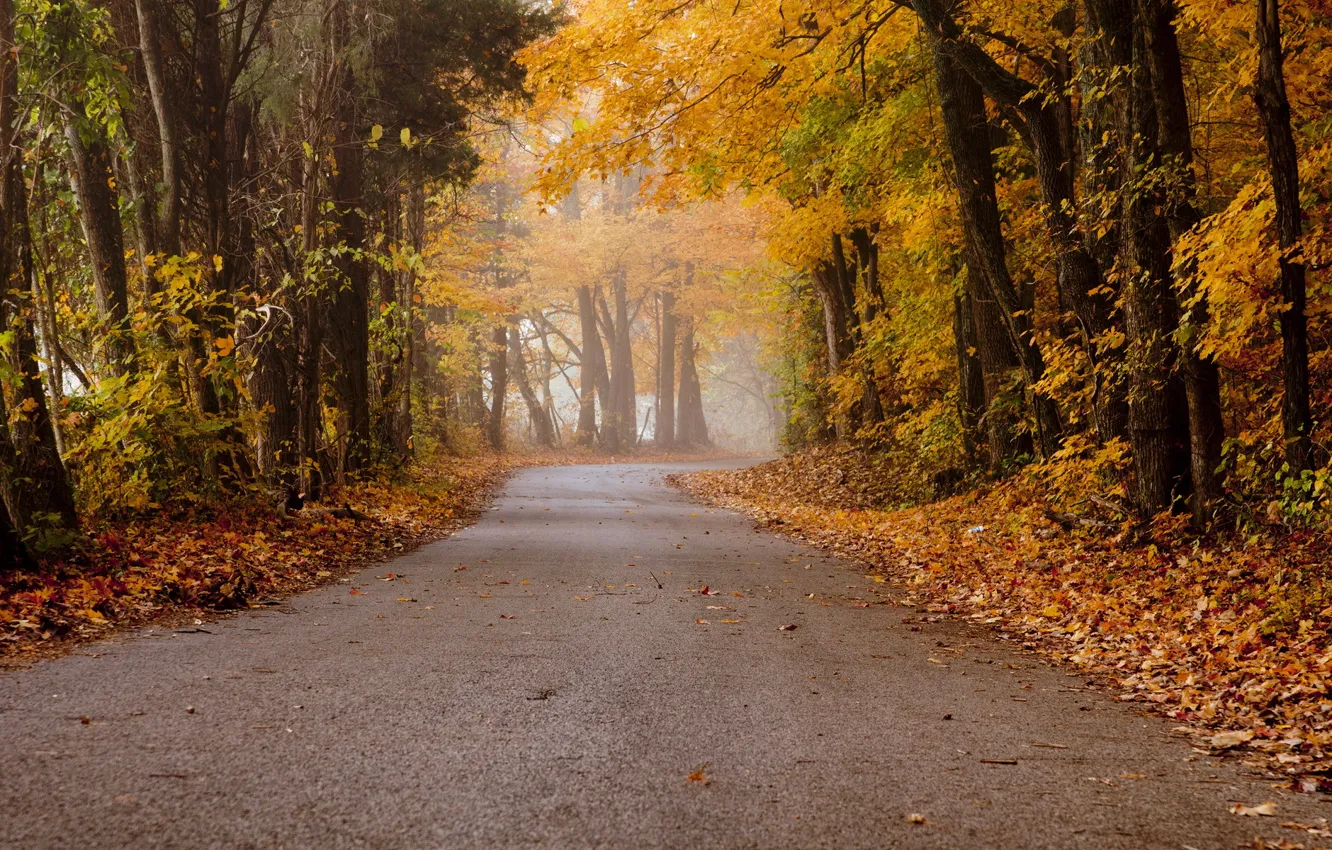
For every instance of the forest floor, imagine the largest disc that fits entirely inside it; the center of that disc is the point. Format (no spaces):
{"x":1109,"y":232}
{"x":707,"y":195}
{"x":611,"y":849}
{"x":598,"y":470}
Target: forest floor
{"x":185,"y":564}
{"x":1230,"y":636}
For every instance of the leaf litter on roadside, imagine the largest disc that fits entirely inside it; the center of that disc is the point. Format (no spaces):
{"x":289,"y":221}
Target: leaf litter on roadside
{"x":226,"y":557}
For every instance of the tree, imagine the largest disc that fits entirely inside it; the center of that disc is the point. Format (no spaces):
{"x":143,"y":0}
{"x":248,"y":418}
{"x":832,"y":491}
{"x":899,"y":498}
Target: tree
{"x":1283,"y":165}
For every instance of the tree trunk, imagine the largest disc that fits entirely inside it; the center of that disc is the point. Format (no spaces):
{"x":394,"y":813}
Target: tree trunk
{"x":33,"y":483}
{"x":1283,"y":163}
{"x":588,"y":368}
{"x":869,"y":410}
{"x":1202,"y":379}
{"x":274,"y":348}
{"x":13,"y":554}
{"x":607,"y":400}
{"x":1158,"y":412}
{"x":271,"y":390}
{"x":310,"y":342}
{"x":99,"y":208}
{"x":542,"y":427}
{"x":966,"y":128}
{"x":970,"y":383}
{"x":666,"y":374}
{"x":963,"y":107}
{"x":691,"y":428}
{"x":415,"y":226}
{"x":499,"y":387}
{"x":1081,"y":282}
{"x":168,"y":129}
{"x":836,"y":334}
{"x":626,"y":392}
{"x":348,"y":328}
{"x":393,"y":357}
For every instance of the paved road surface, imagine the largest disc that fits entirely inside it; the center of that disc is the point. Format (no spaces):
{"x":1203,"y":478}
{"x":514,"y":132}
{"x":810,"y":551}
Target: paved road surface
{"x":550,"y":695}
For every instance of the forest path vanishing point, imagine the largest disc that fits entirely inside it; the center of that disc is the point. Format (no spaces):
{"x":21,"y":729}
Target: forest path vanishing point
{"x":552,"y":695}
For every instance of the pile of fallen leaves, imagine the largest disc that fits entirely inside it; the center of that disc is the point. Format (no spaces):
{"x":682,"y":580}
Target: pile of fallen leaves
{"x":838,"y":475}
{"x":235,"y":555}
{"x":1230,"y":636}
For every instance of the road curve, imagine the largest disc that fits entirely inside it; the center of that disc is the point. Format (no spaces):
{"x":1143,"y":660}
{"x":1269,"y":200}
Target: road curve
{"x":553,"y":695}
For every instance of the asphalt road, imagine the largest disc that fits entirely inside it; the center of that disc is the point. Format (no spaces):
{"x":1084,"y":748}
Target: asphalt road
{"x":551,"y":695}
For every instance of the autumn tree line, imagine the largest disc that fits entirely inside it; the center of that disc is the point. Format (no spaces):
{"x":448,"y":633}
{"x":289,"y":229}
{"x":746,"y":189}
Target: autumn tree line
{"x":594,"y":299}
{"x":574,"y":303}
{"x":589,"y":313}
{"x":212,"y":217}
{"x":1088,"y":233}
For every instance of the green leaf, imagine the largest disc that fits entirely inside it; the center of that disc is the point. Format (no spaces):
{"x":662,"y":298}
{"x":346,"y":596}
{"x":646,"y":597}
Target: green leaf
{"x":581,"y":125}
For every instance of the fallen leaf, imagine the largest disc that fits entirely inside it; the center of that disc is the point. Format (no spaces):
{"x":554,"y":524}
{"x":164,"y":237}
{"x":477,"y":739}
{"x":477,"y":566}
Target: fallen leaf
{"x":1226,"y":740}
{"x":915,"y":818}
{"x":1267,"y":809}
{"x":697,"y":776}
{"x":786,"y":628}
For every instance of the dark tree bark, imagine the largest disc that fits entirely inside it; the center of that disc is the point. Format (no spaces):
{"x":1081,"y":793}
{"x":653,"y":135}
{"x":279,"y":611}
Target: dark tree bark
{"x":996,"y":305}
{"x":271,"y":388}
{"x":666,"y":373}
{"x":1158,"y":417}
{"x":393,"y":360}
{"x":99,"y":212}
{"x":999,"y":368}
{"x":1042,"y":126}
{"x":13,"y":554}
{"x":970,"y":383}
{"x":415,"y":227}
{"x":348,"y":327}
{"x":499,"y":386}
{"x":309,"y":322}
{"x":1283,"y":163}
{"x":271,"y":337}
{"x":867,"y":265}
{"x":1202,"y":378}
{"x":33,"y":483}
